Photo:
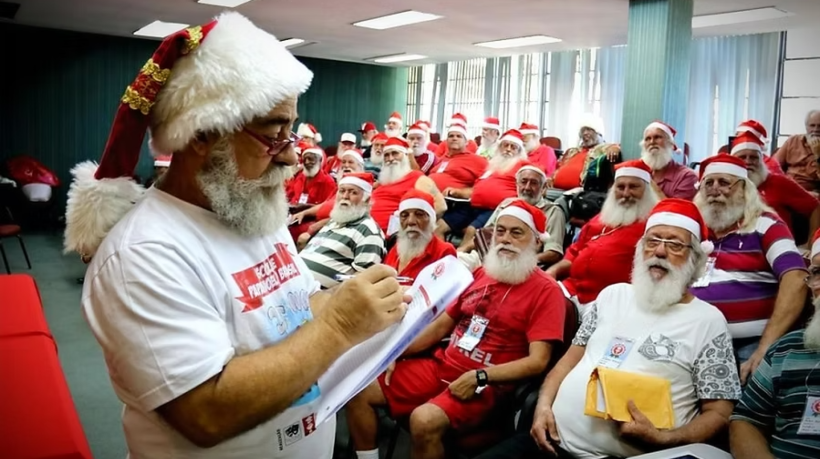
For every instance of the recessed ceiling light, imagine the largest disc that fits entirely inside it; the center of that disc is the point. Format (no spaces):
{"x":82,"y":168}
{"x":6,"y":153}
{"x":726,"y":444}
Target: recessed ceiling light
{"x":397,"y":58}
{"x":159,"y":29}
{"x":225,"y":3}
{"x":738,"y":17}
{"x":397,"y":20}
{"x":519,"y":42}
{"x":291,"y":42}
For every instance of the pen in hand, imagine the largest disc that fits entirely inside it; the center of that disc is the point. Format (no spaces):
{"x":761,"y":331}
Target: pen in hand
{"x":401,"y":279}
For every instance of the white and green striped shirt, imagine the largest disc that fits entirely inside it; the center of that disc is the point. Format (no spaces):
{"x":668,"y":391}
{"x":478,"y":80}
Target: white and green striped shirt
{"x":344,"y":249}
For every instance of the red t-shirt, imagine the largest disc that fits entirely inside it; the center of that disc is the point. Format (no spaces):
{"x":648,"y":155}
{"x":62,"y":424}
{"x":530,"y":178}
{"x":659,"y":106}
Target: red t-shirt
{"x":786,"y":197}
{"x":441,"y":149}
{"x":568,"y":175}
{"x":492,"y":188}
{"x":304,"y":190}
{"x":436,"y":250}
{"x":385,"y":199}
{"x":773,"y":166}
{"x":544,"y":157}
{"x":601,"y":257}
{"x":459,"y":171}
{"x":427,"y":161}
{"x":517,"y":316}
{"x":332,"y":165}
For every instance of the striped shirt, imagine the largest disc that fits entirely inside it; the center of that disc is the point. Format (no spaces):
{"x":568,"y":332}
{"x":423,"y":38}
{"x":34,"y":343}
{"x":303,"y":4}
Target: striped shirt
{"x":746,"y":276}
{"x":775,"y":398}
{"x":344,"y":249}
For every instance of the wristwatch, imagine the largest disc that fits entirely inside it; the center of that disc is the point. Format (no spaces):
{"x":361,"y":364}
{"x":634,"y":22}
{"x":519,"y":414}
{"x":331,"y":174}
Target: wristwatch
{"x":482,"y":380}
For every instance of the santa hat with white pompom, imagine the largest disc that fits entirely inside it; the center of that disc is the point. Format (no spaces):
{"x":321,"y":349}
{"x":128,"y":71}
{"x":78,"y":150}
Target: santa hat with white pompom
{"x":682,"y":214}
{"x":532,"y":216}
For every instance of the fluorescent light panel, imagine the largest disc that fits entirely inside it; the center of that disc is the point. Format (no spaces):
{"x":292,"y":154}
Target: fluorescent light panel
{"x":225,"y":3}
{"x":397,"y":58}
{"x":519,"y":42}
{"x":397,"y":20}
{"x":290,"y":42}
{"x":159,"y":29}
{"x":738,"y":17}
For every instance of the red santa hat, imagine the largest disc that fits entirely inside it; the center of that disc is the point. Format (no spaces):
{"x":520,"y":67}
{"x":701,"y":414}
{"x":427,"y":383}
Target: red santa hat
{"x":683,"y":214}
{"x":395,"y":117}
{"x":418,"y":129}
{"x":211,"y":78}
{"x":367,"y":127}
{"x":723,"y":164}
{"x":363,"y":180}
{"x":514,"y":136}
{"x":815,"y":245}
{"x":311,"y":150}
{"x":301,"y":147}
{"x":162,"y":161}
{"x":380,"y":137}
{"x":747,"y":141}
{"x":309,"y":131}
{"x":355,"y":154}
{"x":417,"y":199}
{"x":491,"y":122}
{"x":754,"y":127}
{"x":529,"y":166}
{"x":529,"y":129}
{"x":458,"y":123}
{"x":634,"y":168}
{"x":396,"y":144}
{"x":424,"y":124}
{"x":669,"y":130}
{"x":532,"y":216}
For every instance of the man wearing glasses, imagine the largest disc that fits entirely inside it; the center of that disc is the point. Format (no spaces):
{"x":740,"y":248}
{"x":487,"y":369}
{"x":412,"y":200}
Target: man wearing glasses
{"x":755,"y":275}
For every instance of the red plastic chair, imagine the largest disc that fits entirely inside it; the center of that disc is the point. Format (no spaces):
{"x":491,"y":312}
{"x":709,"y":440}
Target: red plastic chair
{"x":435,"y":137}
{"x":552,"y":142}
{"x":12,"y":230}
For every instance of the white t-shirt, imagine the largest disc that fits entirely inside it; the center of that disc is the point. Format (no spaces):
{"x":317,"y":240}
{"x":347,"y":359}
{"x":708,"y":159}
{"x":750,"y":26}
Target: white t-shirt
{"x":172,"y":295}
{"x":688,"y":344}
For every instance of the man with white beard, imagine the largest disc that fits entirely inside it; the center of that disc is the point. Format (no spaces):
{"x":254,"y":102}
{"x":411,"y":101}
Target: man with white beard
{"x":309,"y":134}
{"x":394,"y":126}
{"x":502,"y":330}
{"x":671,"y":180}
{"x":542,"y":155}
{"x":490,"y":133}
{"x":757,"y":129}
{"x":423,"y":157}
{"x":755,"y":275}
{"x":780,"y":192}
{"x":376,"y":158}
{"x":368,"y":131}
{"x":195,"y":292}
{"x":311,"y":187}
{"x":351,"y":241}
{"x":653,"y":327}
{"x":779,"y":411}
{"x":799,"y":155}
{"x":603,"y":252}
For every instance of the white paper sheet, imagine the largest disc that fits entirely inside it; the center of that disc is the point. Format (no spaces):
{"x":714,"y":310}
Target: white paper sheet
{"x":436,"y":286}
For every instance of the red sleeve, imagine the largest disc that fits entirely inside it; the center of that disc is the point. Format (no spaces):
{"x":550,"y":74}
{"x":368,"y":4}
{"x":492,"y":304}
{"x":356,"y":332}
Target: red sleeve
{"x":441,"y":149}
{"x":547,"y":315}
{"x":686,"y":186}
{"x":472,"y":147}
{"x":578,"y":245}
{"x":799,"y":200}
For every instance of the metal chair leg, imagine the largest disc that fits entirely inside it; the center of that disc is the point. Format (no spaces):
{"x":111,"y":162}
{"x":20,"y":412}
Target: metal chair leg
{"x":5,"y":260}
{"x":25,"y":253}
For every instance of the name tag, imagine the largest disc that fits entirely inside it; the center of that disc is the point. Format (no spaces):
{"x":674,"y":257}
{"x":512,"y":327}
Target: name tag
{"x":442,"y":167}
{"x":472,"y":336}
{"x":705,"y":279}
{"x":617,"y":351}
{"x":810,"y":424}
{"x":303,"y":198}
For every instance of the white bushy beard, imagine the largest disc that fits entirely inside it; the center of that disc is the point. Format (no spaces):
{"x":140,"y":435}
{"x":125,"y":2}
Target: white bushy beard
{"x":656,"y":160}
{"x":344,"y":211}
{"x":394,"y":171}
{"x":411,"y":242}
{"x":393,"y":132}
{"x":719,"y":212}
{"x":535,"y":198}
{"x":623,"y":212}
{"x":251,"y":207}
{"x":376,"y":159}
{"x":760,"y":175}
{"x":657,"y":295}
{"x":531,"y":145}
{"x":312,"y":171}
{"x":511,"y":270}
{"x":589,"y":144}
{"x":421,"y":148}
{"x":811,"y":335}
{"x":500,"y":163}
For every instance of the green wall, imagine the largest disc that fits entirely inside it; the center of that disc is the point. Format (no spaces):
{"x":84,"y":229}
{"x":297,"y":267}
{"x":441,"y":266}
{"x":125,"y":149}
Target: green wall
{"x":57,"y":100}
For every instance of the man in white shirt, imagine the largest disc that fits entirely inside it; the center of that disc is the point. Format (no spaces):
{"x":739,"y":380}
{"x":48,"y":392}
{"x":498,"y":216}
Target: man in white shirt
{"x":211,"y":326}
{"x":653,"y":327}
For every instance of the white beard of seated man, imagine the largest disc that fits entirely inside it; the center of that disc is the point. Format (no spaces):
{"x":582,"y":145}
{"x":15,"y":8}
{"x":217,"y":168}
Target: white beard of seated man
{"x":627,"y":209}
{"x":505,"y":158}
{"x":411,"y":240}
{"x":509,"y":264}
{"x":394,"y":170}
{"x":655,"y":155}
{"x":344,"y":211}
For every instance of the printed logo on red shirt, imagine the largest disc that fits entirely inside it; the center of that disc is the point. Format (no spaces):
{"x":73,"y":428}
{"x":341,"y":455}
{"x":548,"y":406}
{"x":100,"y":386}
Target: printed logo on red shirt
{"x":266,"y":277}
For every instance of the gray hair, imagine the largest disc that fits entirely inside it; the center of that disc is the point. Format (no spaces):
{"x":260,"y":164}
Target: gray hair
{"x":809,"y":115}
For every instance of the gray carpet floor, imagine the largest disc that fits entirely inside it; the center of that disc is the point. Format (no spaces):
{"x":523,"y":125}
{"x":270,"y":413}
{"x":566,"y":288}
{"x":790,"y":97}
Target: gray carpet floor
{"x":82,"y":361}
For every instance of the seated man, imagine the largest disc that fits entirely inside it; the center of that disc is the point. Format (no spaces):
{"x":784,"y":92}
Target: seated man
{"x":310,"y":187}
{"x":798,"y":155}
{"x":373,"y":163}
{"x":333,"y":164}
{"x":309,"y":134}
{"x":352,"y":241}
{"x":416,"y":244}
{"x":670,"y":179}
{"x":490,"y":134}
{"x":758,"y":130}
{"x":653,"y":327}
{"x":502,"y":329}
{"x":351,"y":162}
{"x":541,"y":155}
{"x":531,"y":186}
{"x":755,"y":276}
{"x":778,"y":413}
{"x":602,"y":255}
{"x":443,"y":149}
{"x":571,"y":171}
{"x":423,"y":158}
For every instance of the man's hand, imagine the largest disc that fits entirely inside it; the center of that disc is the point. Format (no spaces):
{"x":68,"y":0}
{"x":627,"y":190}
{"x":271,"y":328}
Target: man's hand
{"x":814,"y":145}
{"x":302,"y":241}
{"x":550,"y":182}
{"x":640,"y":428}
{"x":298,"y":217}
{"x":388,"y":373}
{"x":613,"y":152}
{"x":464,"y":387}
{"x":366,"y":304}
{"x":553,"y":273}
{"x":543,"y":424}
{"x":451,"y":192}
{"x":748,"y":367}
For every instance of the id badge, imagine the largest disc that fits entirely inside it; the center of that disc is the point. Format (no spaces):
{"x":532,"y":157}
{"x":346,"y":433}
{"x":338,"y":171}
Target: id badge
{"x":473,"y":334}
{"x":810,"y":424}
{"x":707,"y":274}
{"x":303,"y":198}
{"x":442,"y":167}
{"x":616,"y":352}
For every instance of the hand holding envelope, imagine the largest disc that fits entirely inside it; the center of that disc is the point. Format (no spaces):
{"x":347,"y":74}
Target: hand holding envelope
{"x":640,"y":427}
{"x":642,"y":403}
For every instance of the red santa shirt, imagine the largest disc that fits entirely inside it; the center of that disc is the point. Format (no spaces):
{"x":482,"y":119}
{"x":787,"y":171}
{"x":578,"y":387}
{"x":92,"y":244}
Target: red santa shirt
{"x":459,"y":171}
{"x":304,"y":190}
{"x":773,"y":166}
{"x":436,"y":250}
{"x":427,"y":161}
{"x":544,"y":157}
{"x":787,"y":198}
{"x":386,"y":198}
{"x":602,"y":256}
{"x":494,"y":187}
{"x":333,"y":164}
{"x":517,"y":316}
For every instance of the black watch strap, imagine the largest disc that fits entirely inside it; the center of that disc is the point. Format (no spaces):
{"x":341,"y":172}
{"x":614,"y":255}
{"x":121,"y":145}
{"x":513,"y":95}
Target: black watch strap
{"x":481,"y":378}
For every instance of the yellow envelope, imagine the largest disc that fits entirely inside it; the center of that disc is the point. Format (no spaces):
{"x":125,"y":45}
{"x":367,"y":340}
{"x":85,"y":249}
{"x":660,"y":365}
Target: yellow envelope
{"x":609,"y":390}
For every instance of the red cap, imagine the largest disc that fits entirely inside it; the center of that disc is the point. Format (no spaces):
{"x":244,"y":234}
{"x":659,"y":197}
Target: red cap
{"x":754,"y":127}
{"x":491,"y":122}
{"x":723,"y":164}
{"x":529,"y":214}
{"x":395,"y":116}
{"x":514,"y":136}
{"x":634,"y":168}
{"x":417,"y":128}
{"x":529,"y":129}
{"x":682,"y":214}
{"x":747,"y":141}
{"x":669,"y":130}
{"x":459,"y":119}
{"x":396,"y":144}
{"x":417,"y":199}
{"x":368,"y":126}
{"x":363,"y":180}
{"x":380,"y":137}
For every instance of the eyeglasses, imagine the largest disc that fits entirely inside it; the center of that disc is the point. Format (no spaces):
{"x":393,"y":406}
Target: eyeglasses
{"x":671,"y":246}
{"x":276,"y":146}
{"x":721,"y":184}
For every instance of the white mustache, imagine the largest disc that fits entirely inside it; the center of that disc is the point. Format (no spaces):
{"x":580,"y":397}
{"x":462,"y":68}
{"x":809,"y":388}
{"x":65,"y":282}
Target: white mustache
{"x":509,"y":247}
{"x":658,"y":262}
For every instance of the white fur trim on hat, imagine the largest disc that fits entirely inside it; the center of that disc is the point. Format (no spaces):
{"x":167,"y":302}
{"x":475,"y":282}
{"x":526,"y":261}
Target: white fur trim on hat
{"x":758,"y":134}
{"x":356,"y":181}
{"x":531,"y":168}
{"x":416,"y":203}
{"x":528,"y":131}
{"x":662,"y":127}
{"x":726,"y":168}
{"x":163,"y":163}
{"x":417,"y":131}
{"x":487,"y":125}
{"x":239,"y":72}
{"x":815,"y":248}
{"x":524,"y":216}
{"x":314,"y":151}
{"x":393,"y":119}
{"x":633,"y":172}
{"x":746,"y":146}
{"x":676,"y":220}
{"x":457,"y":128}
{"x":354,"y":154}
{"x":513,"y":139}
{"x":389,"y":148}
{"x":94,"y":207}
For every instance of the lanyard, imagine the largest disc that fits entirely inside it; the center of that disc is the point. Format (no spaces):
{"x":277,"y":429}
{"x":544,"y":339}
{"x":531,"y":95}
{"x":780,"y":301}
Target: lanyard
{"x":481,"y":309}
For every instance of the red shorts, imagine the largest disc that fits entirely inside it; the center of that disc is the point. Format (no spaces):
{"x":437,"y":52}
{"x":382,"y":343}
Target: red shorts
{"x":425,"y":380}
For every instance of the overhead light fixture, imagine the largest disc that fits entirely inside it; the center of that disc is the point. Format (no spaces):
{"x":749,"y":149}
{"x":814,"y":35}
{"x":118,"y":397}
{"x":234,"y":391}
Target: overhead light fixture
{"x":397,"y":20}
{"x":159,"y":29}
{"x":291,"y":42}
{"x":225,"y":3}
{"x":739,"y":17}
{"x":397,"y":58}
{"x":519,"y":42}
